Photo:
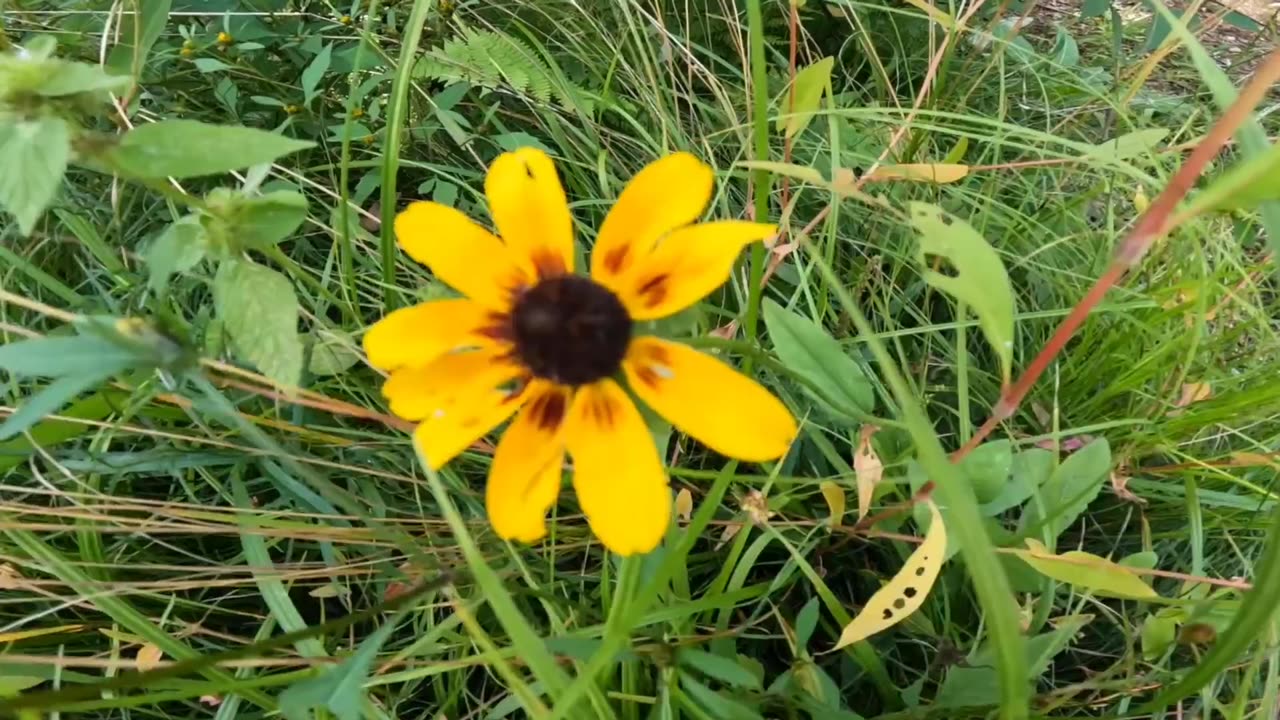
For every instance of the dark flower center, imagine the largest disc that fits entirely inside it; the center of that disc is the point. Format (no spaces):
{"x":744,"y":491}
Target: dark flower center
{"x":570,"y":330}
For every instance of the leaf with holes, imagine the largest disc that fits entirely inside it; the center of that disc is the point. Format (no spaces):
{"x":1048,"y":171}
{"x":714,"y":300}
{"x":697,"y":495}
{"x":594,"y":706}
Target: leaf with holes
{"x":867,"y":468}
{"x":1086,"y":570}
{"x":906,"y":591}
{"x":980,"y":279}
{"x":804,"y":98}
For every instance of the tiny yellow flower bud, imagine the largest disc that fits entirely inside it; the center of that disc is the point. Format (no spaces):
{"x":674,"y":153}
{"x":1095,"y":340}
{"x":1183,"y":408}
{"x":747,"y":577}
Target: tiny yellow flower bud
{"x":187,"y":52}
{"x":225,"y":38}
{"x":367,"y":139}
{"x":345,"y":19}
{"x":357,"y":113}
{"x":292,"y":109}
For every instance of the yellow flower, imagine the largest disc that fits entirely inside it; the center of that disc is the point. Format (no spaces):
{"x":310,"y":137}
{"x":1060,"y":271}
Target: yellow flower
{"x":225,"y":38}
{"x":531,"y":339}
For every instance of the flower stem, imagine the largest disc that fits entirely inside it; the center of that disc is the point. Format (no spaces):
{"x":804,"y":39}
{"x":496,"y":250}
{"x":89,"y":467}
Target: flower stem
{"x":760,"y":179}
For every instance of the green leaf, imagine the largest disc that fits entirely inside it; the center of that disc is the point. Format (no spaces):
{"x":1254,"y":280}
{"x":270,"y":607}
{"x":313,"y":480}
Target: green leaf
{"x":1087,"y":571}
{"x":141,"y":30}
{"x":1029,"y":470}
{"x":1065,"y":50}
{"x":1095,"y":8}
{"x":314,"y":73}
{"x":58,"y":356}
{"x":1134,"y":144}
{"x":980,"y":280}
{"x":50,"y":432}
{"x":237,"y":222}
{"x":977,"y":685}
{"x":806,"y":621}
{"x":339,"y":689}
{"x":807,"y":350}
{"x":189,"y":148}
{"x":73,"y":78}
{"x":33,"y":155}
{"x":54,"y":396}
{"x":11,"y":685}
{"x":1145,"y":560}
{"x":332,"y":353}
{"x":1159,"y":632}
{"x":717,"y":704}
{"x":987,"y":469}
{"x":259,"y":310}
{"x":210,"y":65}
{"x":810,"y":82}
{"x":177,"y":249}
{"x":1069,"y":491}
{"x":1245,"y":186}
{"x":726,"y":670}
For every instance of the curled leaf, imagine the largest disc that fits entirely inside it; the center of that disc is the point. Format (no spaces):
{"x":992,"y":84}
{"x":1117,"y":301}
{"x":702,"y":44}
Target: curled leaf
{"x":906,"y":591}
{"x":869,"y":469}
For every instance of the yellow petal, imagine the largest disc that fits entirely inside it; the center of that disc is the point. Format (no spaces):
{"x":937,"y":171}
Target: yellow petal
{"x":725,"y":410}
{"x":445,"y":433}
{"x":687,"y":265}
{"x":416,"y":393}
{"x":462,"y":254}
{"x":418,"y":334}
{"x":527,"y":466}
{"x":617,"y":475}
{"x":530,"y":211}
{"x":668,"y":193}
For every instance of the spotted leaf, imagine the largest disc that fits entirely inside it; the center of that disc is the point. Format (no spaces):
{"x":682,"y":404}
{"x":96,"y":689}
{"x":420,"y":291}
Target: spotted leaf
{"x":906,"y":591}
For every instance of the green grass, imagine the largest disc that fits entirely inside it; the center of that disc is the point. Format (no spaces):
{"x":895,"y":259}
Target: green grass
{"x":254,"y":536}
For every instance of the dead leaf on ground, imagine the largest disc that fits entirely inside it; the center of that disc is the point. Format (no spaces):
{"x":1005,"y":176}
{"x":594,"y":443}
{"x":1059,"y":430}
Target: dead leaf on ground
{"x":868,"y":469}
{"x":1191,"y":393}
{"x":1119,"y":485}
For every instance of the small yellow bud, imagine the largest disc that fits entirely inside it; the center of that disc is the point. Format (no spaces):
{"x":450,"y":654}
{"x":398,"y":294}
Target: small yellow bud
{"x":292,"y":109}
{"x":345,"y":19}
{"x":367,"y":139}
{"x":188,"y":43}
{"x":357,"y":113}
{"x":187,"y":52}
{"x":225,"y":38}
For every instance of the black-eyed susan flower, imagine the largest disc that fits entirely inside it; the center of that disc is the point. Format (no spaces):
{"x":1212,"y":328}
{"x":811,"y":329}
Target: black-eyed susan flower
{"x":531,"y":339}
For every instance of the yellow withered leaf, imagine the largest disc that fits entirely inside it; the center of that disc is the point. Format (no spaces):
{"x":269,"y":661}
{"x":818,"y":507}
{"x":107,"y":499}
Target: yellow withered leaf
{"x":868,"y":469}
{"x":40,"y":632}
{"x":1086,"y":570}
{"x":906,"y":591}
{"x":834,"y":495}
{"x":148,"y":657}
{"x":924,"y":172}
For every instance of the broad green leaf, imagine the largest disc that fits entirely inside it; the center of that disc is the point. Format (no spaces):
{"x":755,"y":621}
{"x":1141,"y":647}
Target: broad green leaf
{"x":339,"y":689}
{"x":1145,"y":560}
{"x":178,"y":248}
{"x":1134,"y":144}
{"x":980,"y":279}
{"x":11,"y":685}
{"x":73,"y":78}
{"x":806,"y":622}
{"x":987,"y":469}
{"x":719,"y":706}
{"x":236,"y":222}
{"x":58,"y":356}
{"x":332,"y":353}
{"x":726,"y":670}
{"x":33,"y":158}
{"x":314,"y":73}
{"x":806,"y":349}
{"x":1094,"y":8}
{"x":1159,"y":632}
{"x":53,"y":396}
{"x":210,"y":65}
{"x":810,"y":83}
{"x":1246,"y":185}
{"x":259,"y":310}
{"x":1069,"y":490}
{"x":1065,"y":50}
{"x":1030,"y":469}
{"x":906,"y":591}
{"x":141,"y":30}
{"x":977,"y":685}
{"x":189,"y":148}
{"x":1087,"y":571}
{"x":47,"y":433}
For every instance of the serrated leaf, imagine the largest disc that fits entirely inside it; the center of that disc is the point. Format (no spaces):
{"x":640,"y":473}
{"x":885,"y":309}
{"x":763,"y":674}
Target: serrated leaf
{"x":802,"y":103}
{"x":339,"y":689}
{"x":806,"y":349}
{"x":315,"y":71}
{"x":1086,"y":570}
{"x":259,"y":310}
{"x":726,"y":670}
{"x":937,"y":173}
{"x":867,"y":469}
{"x":1068,"y":492}
{"x":980,"y":279}
{"x":1243,"y":187}
{"x":833,"y":494}
{"x":332,"y":353}
{"x":1129,"y":145}
{"x":189,"y":148}
{"x":177,"y":249}
{"x":33,"y":155}
{"x":906,"y":591}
